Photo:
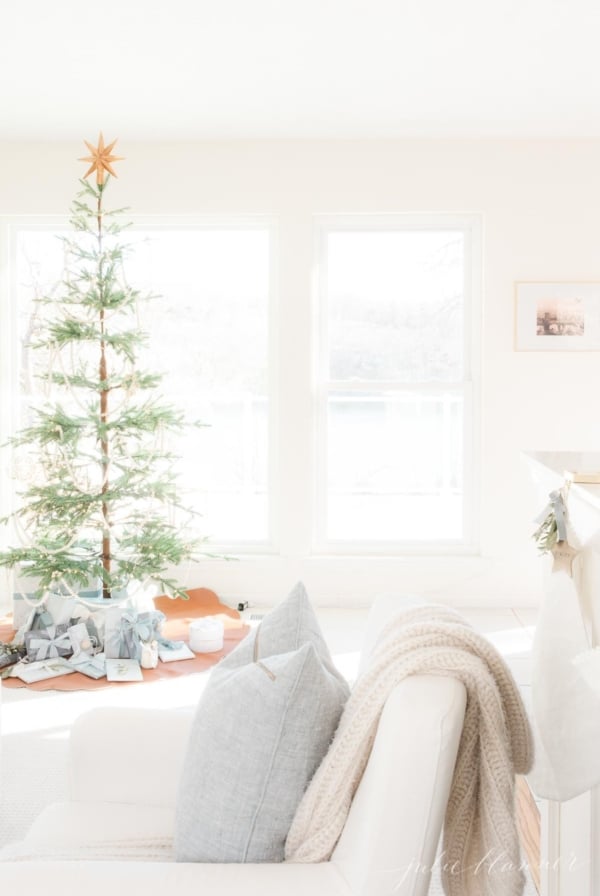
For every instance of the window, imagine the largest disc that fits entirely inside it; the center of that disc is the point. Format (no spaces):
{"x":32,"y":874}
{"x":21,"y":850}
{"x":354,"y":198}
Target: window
{"x":209,"y":335}
{"x":394,"y":382}
{"x":394,"y":409}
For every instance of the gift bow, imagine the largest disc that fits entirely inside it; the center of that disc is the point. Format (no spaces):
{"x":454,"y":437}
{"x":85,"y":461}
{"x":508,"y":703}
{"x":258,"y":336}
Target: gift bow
{"x":135,"y":629}
{"x":149,"y":624}
{"x":47,"y":648}
{"x":129,"y":636}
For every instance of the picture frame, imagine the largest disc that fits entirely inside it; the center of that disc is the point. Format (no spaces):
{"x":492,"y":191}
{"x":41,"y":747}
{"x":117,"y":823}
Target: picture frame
{"x":560,"y":316}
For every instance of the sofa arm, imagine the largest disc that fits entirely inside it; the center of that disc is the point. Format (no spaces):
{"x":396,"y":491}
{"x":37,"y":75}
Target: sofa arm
{"x":128,"y":755}
{"x":388,"y":845}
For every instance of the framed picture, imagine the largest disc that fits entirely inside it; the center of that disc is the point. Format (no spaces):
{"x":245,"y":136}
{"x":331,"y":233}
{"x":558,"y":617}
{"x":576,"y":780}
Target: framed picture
{"x":557,"y":317}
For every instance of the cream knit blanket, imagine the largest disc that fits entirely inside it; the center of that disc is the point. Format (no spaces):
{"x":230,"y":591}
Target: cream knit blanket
{"x":481,"y":846}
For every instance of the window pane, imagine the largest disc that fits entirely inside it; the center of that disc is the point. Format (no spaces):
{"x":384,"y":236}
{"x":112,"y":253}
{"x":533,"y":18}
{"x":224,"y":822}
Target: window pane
{"x":208,"y":334}
{"x":394,"y":467}
{"x":395,"y":305}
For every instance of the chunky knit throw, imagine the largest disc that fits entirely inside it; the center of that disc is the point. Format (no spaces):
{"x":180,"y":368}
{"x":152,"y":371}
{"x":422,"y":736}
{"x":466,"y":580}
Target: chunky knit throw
{"x":481,"y":845}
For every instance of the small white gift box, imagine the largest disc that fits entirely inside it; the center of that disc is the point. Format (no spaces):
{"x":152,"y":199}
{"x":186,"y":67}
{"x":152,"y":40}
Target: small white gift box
{"x":61,"y":607}
{"x":24,"y":604}
{"x":81,"y":641}
{"x":206,"y":634}
{"x":149,"y":655}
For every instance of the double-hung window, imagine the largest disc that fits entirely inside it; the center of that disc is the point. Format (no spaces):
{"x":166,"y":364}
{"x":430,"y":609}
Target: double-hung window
{"x":395,"y":382}
{"x":208,"y":334}
{"x":395,"y":385}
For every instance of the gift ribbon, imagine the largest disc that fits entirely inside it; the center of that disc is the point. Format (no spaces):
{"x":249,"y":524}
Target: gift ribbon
{"x":149,"y":624}
{"x":42,"y":621}
{"x":128,"y":647}
{"x":96,"y":662}
{"x":47,"y":648}
{"x":135,"y":629}
{"x":170,"y":645}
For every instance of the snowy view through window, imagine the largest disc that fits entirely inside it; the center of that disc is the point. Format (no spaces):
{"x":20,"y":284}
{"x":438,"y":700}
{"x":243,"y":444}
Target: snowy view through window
{"x":392,"y":368}
{"x":207,"y":332}
{"x":393,"y":393}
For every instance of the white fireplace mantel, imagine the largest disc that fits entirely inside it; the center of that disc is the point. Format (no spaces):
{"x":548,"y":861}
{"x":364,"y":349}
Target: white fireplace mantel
{"x":570,"y":833}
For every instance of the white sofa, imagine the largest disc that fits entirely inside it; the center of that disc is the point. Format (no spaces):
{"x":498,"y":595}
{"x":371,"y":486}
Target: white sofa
{"x":124,"y":772}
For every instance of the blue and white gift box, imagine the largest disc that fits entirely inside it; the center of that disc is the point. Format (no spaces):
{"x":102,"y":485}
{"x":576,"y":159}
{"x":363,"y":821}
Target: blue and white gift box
{"x":23,"y":607}
{"x":92,"y":666}
{"x":125,"y":631}
{"x":81,"y":641}
{"x":149,"y":625}
{"x":60,"y":602}
{"x":62,"y":608}
{"x":36,"y":621}
{"x":48,"y":644}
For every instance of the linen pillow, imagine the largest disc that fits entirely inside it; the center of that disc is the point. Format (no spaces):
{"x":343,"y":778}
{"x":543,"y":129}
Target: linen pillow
{"x":287,"y":627}
{"x":262,"y":727}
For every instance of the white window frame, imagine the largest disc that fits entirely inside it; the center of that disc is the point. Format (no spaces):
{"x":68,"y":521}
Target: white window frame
{"x":471,"y":227}
{"x":9,"y":227}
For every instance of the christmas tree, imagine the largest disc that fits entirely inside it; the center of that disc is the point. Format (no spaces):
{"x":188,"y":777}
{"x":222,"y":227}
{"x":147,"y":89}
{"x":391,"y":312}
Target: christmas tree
{"x":100,"y":504}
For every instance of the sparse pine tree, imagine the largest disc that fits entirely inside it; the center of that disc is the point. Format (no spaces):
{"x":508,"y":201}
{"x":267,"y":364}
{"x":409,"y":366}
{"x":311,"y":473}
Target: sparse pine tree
{"x":100,"y":503}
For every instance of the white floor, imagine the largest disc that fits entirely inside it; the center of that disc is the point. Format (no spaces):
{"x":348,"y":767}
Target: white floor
{"x":35,"y":725}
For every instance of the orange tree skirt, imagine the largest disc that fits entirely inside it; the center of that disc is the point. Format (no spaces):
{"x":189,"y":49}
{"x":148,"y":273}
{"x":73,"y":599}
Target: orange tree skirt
{"x":179,"y":614}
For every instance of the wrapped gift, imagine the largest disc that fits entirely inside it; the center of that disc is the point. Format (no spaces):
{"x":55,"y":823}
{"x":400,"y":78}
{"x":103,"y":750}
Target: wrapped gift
{"x":121,"y":639}
{"x":123,"y":670}
{"x":149,"y":625}
{"x":37,"y":620}
{"x":10,"y":654}
{"x":93,"y":633}
{"x":173,"y":651}
{"x":131,"y":645}
{"x":24,"y":603}
{"x":48,"y":644}
{"x":61,"y":607}
{"x":80,"y":640}
{"x":42,"y":620}
{"x":149,"y":654}
{"x":112,"y":632}
{"x":42,"y":670}
{"x":206,"y":634}
{"x":92,"y":666}
{"x":125,"y":630}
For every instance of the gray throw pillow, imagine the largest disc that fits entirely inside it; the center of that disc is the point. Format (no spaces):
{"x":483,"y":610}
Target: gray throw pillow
{"x":288,"y":626}
{"x":263,"y":725}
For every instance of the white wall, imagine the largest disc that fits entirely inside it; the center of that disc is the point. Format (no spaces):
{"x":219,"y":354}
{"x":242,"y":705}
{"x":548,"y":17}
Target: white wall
{"x":540,"y":202}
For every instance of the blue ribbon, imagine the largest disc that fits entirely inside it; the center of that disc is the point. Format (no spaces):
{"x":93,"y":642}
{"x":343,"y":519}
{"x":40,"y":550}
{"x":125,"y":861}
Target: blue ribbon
{"x":54,"y":642}
{"x":137,"y":628}
{"x":149,"y":625}
{"x":129,"y":647}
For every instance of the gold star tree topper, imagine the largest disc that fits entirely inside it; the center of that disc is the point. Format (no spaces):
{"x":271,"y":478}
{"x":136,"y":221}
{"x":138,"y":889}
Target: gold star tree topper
{"x":101,"y":158}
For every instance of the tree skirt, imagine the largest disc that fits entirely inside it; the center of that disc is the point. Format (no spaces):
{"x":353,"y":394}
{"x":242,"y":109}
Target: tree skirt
{"x":179,"y":614}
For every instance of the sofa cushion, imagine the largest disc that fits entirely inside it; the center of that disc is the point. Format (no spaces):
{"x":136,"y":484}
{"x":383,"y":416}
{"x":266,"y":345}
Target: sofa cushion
{"x":264,"y":722}
{"x":96,"y":831}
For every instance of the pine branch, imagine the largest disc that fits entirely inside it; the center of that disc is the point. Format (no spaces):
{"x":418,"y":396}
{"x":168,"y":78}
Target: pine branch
{"x":129,"y":381}
{"x":149,"y":417}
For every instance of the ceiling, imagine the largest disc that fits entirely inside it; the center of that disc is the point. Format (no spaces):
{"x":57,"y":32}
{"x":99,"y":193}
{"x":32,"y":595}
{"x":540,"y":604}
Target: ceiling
{"x":197,"y":69}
